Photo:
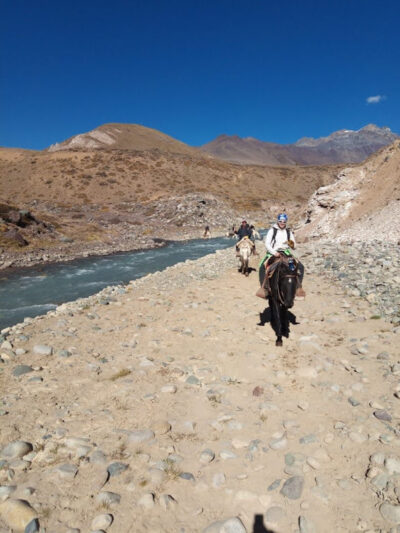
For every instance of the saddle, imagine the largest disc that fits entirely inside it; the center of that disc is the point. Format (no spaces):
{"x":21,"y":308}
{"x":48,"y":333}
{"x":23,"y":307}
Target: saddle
{"x":271,"y":265}
{"x":246,"y":241}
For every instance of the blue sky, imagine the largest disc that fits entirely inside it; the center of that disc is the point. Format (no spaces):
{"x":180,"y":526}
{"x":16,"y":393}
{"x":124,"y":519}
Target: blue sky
{"x":196,"y":69}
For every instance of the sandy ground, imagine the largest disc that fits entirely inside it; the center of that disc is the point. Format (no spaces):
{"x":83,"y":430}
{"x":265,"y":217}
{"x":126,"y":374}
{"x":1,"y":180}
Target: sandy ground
{"x":195,"y":365}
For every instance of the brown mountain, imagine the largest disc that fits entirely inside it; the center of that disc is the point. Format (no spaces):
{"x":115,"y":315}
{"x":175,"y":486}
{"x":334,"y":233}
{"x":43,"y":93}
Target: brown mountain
{"x":124,"y":137}
{"x":344,"y":146}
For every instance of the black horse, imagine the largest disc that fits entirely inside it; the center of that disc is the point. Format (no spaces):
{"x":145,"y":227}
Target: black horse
{"x":283,"y":284}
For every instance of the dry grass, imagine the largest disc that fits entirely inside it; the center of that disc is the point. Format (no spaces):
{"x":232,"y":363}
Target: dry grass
{"x":121,"y":374}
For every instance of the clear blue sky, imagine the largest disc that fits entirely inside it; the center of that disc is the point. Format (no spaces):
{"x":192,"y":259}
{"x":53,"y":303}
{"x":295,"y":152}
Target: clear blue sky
{"x":195,"y":69}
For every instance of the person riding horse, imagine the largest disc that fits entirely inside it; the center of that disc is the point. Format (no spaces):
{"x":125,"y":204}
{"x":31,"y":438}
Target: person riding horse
{"x":278,"y":240}
{"x":242,"y":232}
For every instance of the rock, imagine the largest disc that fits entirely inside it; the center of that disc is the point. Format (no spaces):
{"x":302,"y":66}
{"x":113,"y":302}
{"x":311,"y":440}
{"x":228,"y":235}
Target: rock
{"x":20,"y":370}
{"x":66,"y":471}
{"x":230,"y":525}
{"x":33,"y":526}
{"x":167,"y":502}
{"x":140,"y":435}
{"x":16,"y":449}
{"x":207,"y":456}
{"x":381,"y":414}
{"x":293,"y":487}
{"x":170,"y":389}
{"x":275,"y":514}
{"x":14,"y":235}
{"x":305,"y":525}
{"x":17,"y":514}
{"x":157,"y":476}
{"x":357,"y":437}
{"x":64,"y":353}
{"x":108,"y":498}
{"x":352,"y":401}
{"x":390,"y":512}
{"x":98,"y":457}
{"x":238,"y":443}
{"x":192,"y":380}
{"x":161,"y":427}
{"x":42,"y":349}
{"x":115,"y":469}
{"x":378,"y":458}
{"x":218,"y":480}
{"x":102,"y":521}
{"x":278,"y":443}
{"x":392,"y":465}
{"x":147,"y":501}
{"x":6,"y":491}
{"x":274,"y":485}
{"x":187,"y":475}
{"x":308,"y":439}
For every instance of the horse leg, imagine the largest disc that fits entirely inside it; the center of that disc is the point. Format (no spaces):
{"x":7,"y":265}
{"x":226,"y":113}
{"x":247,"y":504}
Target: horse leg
{"x":276,"y":313}
{"x":285,"y":322}
{"x":246,"y":268}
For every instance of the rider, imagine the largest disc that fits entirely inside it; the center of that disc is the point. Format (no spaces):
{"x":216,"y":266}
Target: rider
{"x":243,"y":231}
{"x":279,"y":237}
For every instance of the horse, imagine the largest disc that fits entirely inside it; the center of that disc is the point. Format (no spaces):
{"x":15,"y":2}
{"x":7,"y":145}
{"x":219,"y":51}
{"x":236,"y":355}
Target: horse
{"x":283,"y":283}
{"x":245,"y":247}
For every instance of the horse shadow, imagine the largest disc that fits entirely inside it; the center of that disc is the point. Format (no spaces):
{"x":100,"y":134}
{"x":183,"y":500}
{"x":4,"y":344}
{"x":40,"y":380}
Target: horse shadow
{"x":266,"y":317}
{"x":249,"y":270}
{"x":258,"y":526}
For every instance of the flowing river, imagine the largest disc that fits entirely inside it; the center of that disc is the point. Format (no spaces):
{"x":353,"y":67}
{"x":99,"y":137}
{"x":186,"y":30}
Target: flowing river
{"x":34,"y":291}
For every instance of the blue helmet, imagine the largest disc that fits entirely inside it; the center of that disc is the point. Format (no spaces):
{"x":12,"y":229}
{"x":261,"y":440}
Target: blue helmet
{"x":282,"y":217}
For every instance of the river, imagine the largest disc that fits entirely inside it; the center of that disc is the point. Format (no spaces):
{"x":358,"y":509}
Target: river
{"x":34,"y":291}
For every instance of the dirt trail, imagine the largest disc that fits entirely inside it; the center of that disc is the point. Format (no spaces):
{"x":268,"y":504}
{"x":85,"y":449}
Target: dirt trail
{"x":195,"y":366}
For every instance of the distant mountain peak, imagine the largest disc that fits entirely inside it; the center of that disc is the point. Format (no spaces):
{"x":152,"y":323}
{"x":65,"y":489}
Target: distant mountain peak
{"x":342,"y":146}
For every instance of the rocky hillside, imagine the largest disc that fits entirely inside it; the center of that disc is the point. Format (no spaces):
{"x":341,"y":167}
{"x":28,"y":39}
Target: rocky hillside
{"x":364,"y":200}
{"x":344,"y":146}
{"x":101,"y":201}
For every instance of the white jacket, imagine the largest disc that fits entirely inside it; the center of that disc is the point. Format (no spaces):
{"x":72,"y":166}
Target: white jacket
{"x":280,"y":239}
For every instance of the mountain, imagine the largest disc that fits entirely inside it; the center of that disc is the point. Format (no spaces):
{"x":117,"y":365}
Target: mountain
{"x":124,"y":137}
{"x":344,"y":146}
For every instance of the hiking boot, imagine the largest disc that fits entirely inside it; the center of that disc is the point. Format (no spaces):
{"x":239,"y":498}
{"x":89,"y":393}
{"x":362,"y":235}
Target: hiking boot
{"x":300,"y":292}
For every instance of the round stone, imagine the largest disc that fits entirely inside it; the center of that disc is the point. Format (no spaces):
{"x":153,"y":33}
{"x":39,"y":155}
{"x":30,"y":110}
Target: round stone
{"x":293,"y":487}
{"x":161,"y":427}
{"x":390,"y":512}
{"x":108,"y":498}
{"x":147,"y":501}
{"x":42,"y":349}
{"x":16,"y":449}
{"x":102,"y":521}
{"x":275,"y":514}
{"x":141,"y":435}
{"x":17,"y":514}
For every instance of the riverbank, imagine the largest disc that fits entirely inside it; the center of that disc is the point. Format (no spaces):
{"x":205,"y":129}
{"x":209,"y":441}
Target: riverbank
{"x":11,"y":261}
{"x":164,"y":405}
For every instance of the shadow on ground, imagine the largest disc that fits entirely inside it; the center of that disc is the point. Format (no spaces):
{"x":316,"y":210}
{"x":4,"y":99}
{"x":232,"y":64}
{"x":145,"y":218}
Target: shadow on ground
{"x":266,"y":316}
{"x":258,"y":526}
